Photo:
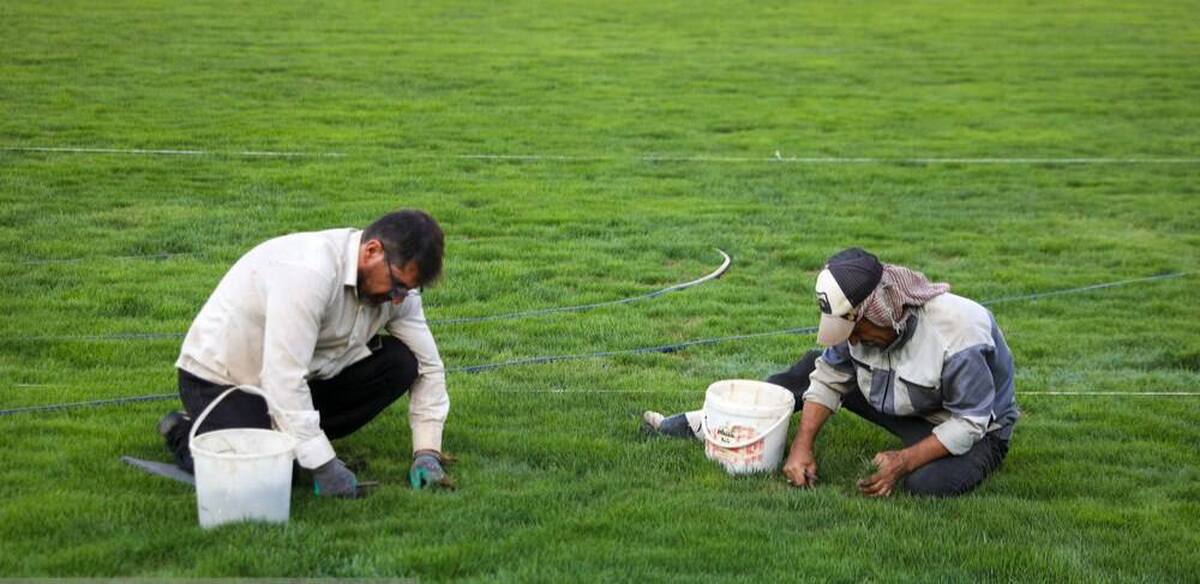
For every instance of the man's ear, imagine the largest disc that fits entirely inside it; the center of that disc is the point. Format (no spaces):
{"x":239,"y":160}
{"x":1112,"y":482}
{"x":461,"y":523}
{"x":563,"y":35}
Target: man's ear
{"x":372,"y":246}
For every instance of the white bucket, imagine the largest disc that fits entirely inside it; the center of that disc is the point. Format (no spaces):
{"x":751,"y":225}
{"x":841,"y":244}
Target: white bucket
{"x":745,"y":424}
{"x":242,"y":474}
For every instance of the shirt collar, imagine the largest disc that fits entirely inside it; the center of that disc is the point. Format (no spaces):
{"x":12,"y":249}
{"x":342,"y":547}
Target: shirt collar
{"x":350,"y":271}
{"x":910,"y":325}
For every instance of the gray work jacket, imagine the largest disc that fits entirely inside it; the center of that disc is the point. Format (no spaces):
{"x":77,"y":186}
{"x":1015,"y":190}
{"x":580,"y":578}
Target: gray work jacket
{"x":951,"y":367}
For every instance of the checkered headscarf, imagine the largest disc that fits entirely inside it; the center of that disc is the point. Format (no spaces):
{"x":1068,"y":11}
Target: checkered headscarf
{"x":898,"y":289}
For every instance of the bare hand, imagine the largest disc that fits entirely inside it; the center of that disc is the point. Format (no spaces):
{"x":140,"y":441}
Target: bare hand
{"x":892,"y":465}
{"x":800,"y":469}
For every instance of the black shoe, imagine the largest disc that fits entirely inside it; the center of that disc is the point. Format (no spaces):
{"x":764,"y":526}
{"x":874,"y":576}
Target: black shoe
{"x":671,"y":426}
{"x":170,"y":421}
{"x":174,"y":428}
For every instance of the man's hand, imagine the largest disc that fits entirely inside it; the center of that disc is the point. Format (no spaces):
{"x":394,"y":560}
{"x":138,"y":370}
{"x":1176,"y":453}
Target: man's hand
{"x":801,"y":468}
{"x":427,"y":471}
{"x":333,"y":479}
{"x":892,"y":465}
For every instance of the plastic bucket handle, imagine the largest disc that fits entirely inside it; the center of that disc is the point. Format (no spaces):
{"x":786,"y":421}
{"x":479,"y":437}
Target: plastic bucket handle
{"x":273,"y":409}
{"x":708,"y":433}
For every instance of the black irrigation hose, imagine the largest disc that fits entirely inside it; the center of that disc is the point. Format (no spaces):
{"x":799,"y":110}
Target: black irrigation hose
{"x":717,"y":273}
{"x":95,"y":403}
{"x":1085,"y":288}
{"x":636,"y":351}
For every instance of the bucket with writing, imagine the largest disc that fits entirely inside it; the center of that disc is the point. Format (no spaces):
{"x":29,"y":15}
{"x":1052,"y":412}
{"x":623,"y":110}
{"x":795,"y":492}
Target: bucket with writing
{"x":745,"y":424}
{"x":242,"y":474}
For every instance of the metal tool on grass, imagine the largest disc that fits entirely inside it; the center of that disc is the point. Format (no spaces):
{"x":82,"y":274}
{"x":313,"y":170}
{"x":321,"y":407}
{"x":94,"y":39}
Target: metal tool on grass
{"x":171,"y":471}
{"x":161,"y":469}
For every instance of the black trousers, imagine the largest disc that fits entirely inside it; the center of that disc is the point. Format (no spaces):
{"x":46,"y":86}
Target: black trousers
{"x":346,"y":402}
{"x":944,"y":477}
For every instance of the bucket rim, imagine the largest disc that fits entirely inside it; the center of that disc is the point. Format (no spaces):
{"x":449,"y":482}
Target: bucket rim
{"x":290,"y":442}
{"x":786,"y":397}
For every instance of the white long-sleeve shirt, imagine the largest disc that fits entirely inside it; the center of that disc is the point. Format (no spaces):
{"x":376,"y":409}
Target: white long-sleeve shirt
{"x":288,"y":311}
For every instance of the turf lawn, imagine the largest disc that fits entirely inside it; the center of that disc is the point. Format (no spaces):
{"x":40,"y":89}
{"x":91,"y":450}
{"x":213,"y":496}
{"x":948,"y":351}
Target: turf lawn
{"x":656,"y":124}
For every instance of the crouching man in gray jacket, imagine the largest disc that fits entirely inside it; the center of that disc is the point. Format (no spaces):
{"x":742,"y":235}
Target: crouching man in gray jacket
{"x":905,"y":354}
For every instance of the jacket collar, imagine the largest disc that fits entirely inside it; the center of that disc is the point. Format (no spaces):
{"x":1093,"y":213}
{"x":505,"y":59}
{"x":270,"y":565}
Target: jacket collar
{"x":910,"y":325}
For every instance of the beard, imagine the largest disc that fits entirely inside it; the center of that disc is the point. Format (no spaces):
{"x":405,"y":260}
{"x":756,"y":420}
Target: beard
{"x":370,"y":299}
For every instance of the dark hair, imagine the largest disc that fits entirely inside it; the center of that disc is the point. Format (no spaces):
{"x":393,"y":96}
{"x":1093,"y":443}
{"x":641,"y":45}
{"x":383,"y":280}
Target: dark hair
{"x":410,"y":235}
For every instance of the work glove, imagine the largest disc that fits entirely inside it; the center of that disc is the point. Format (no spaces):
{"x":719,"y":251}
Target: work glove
{"x":333,"y":479}
{"x":427,"y":471}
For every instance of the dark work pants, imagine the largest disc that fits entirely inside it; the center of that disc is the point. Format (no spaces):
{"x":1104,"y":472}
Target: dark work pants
{"x":346,"y":402}
{"x":944,"y":477}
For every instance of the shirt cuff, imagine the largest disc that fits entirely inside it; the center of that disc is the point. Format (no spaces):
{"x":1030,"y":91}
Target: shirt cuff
{"x":958,"y":435}
{"x":427,"y":436}
{"x":819,"y":394}
{"x":314,"y":452}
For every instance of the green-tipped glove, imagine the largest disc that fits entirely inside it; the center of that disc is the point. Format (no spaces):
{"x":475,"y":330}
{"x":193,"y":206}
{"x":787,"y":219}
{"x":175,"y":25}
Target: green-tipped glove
{"x":427,"y":471}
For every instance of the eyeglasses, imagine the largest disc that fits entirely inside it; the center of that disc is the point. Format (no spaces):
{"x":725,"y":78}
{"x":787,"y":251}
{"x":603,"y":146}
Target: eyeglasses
{"x":399,"y":289}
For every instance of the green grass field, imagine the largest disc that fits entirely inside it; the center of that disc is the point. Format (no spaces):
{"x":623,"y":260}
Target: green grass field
{"x":644,"y":135}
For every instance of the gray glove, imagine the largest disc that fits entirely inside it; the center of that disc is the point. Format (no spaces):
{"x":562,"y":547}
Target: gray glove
{"x":333,"y":479}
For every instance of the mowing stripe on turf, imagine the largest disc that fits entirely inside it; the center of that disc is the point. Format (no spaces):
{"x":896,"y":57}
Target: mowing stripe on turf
{"x":692,"y":392}
{"x":1113,"y":393}
{"x":168,"y":152}
{"x":579,"y":308}
{"x":777,"y":158}
{"x":671,"y":348}
{"x":717,"y":273}
{"x":1053,"y":293}
{"x":149,"y":256}
{"x":163,"y":256}
{"x":592,"y":391}
{"x":84,"y":404}
{"x":834,"y":160}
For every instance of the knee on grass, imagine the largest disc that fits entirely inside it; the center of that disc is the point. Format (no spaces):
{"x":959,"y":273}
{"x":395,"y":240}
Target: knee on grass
{"x":934,"y":484}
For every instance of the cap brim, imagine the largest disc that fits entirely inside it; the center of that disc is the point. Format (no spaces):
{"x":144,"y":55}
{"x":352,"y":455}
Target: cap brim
{"x":833,"y":330}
